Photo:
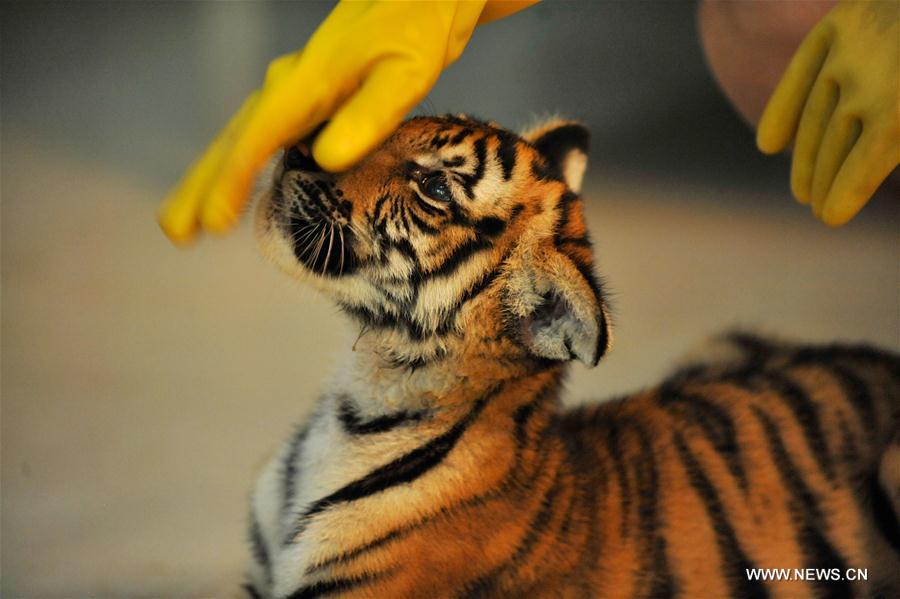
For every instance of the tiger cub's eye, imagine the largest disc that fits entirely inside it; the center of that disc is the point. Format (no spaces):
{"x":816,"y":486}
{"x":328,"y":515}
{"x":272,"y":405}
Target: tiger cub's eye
{"x":434,"y":185}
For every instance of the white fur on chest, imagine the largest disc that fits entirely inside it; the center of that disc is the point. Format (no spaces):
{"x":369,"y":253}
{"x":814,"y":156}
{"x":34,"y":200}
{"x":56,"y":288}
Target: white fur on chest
{"x":330,"y":458}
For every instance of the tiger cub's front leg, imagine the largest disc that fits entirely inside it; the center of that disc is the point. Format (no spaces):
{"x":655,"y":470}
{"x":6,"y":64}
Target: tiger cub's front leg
{"x":271,"y":503}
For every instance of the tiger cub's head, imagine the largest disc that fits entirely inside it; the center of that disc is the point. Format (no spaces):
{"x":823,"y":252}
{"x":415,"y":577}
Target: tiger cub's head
{"x":454,"y":236}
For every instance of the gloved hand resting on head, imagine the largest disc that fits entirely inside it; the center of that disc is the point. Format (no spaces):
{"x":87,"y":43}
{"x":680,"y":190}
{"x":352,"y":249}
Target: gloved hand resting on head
{"x":371,"y":61}
{"x":365,"y":67}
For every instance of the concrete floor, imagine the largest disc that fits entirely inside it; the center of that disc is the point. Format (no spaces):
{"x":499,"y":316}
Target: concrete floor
{"x":143,"y":385}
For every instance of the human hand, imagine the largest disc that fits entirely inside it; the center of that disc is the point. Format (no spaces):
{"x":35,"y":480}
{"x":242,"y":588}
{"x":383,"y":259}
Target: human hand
{"x":839,"y":100}
{"x":365,"y":67}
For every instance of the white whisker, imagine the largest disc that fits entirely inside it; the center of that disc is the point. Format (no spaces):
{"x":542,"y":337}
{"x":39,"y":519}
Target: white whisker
{"x":341,"y":233}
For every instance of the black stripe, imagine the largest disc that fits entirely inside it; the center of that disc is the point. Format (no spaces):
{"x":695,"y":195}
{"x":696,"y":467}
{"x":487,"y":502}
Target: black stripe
{"x":439,"y":141}
{"x":470,"y":181}
{"x":334,"y":586}
{"x":714,"y":421}
{"x":459,"y":215}
{"x":805,"y":510}
{"x":486,"y":585}
{"x":857,"y":393}
{"x":462,"y":253}
{"x":602,"y":336}
{"x":583,"y":241}
{"x":786,"y":468}
{"x":472,"y":292}
{"x":258,"y":546}
{"x":382,"y":320}
{"x":555,"y":146}
{"x":565,"y":206}
{"x":413,"y":364}
{"x":818,"y":354}
{"x":490,"y":226}
{"x":427,"y":207}
{"x":354,"y":425}
{"x":392,"y":212}
{"x":455,"y":162}
{"x":586,"y":466}
{"x":755,"y":348}
{"x":290,"y":468}
{"x":401,"y":215}
{"x":571,"y":510}
{"x":614,"y":445}
{"x":251,"y":591}
{"x":587,"y":271}
{"x":421,"y":224}
{"x":405,"y":247}
{"x":445,"y":511}
{"x":849,"y":452}
{"x":806,"y":413}
{"x":735,"y":562}
{"x":541,"y":171}
{"x":886,"y":520}
{"x":507,"y":153}
{"x":379,"y":204}
{"x":402,"y":470}
{"x":556,"y":143}
{"x":460,"y":136}
{"x":369,"y":318}
{"x":820,"y":553}
{"x":522,"y":416}
{"x":650,"y":524}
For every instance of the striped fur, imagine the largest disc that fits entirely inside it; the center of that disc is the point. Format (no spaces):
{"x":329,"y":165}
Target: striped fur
{"x":440,"y":462}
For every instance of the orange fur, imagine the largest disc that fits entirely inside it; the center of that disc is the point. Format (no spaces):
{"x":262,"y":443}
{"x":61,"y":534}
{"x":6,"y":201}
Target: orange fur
{"x":475,"y":482}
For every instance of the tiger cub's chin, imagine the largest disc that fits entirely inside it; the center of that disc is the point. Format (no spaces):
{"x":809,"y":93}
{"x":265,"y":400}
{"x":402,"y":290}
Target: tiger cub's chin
{"x":441,"y":462}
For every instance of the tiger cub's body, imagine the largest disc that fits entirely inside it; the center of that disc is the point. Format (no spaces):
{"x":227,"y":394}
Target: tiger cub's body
{"x":441,"y":464}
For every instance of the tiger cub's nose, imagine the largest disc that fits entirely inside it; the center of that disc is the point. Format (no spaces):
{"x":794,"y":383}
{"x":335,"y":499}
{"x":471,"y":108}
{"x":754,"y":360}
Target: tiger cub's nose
{"x":299,"y":158}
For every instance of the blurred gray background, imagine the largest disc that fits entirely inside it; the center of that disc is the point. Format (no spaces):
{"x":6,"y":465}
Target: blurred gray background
{"x":143,"y":385}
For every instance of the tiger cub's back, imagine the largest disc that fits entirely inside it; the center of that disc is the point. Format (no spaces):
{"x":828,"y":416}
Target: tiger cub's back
{"x":783,"y":461}
{"x":440,"y":462}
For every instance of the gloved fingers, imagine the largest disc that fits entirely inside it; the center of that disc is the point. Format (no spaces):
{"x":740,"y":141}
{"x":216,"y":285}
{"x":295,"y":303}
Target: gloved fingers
{"x":179,"y":215}
{"x":782,"y":113}
{"x":288,"y":109}
{"x":279,"y":67}
{"x":842,"y":133}
{"x":816,"y":116}
{"x":867,"y":165}
{"x":389,"y":92}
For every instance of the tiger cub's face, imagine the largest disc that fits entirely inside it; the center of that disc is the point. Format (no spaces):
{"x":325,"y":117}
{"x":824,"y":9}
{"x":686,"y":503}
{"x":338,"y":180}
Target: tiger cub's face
{"x":452,"y":230}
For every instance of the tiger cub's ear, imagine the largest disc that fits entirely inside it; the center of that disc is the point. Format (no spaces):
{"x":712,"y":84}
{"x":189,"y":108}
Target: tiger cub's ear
{"x":564,"y":145}
{"x":558,"y":311}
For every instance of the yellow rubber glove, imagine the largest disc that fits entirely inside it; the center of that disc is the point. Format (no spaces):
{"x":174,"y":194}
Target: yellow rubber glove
{"x":840,"y":100}
{"x":365,"y":67}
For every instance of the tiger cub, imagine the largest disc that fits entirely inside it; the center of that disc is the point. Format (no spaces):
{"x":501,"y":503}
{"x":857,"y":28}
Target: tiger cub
{"x":440,"y":462}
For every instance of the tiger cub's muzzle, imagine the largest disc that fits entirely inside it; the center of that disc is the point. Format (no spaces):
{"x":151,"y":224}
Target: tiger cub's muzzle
{"x":314,"y":214}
